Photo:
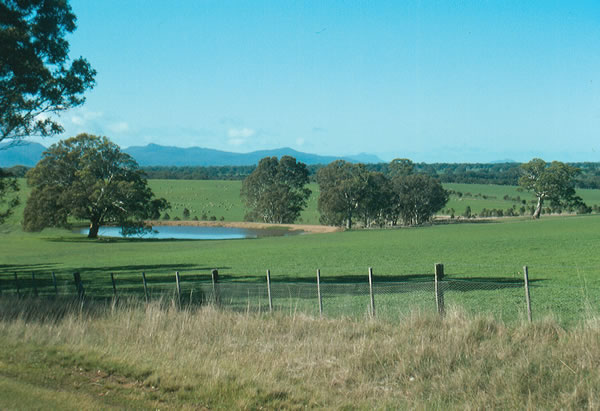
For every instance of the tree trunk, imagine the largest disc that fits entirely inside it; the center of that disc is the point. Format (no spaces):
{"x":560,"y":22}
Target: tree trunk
{"x":94,"y":227}
{"x":538,"y":208}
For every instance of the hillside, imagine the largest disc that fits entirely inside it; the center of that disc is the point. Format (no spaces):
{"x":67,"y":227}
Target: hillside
{"x":28,"y":154}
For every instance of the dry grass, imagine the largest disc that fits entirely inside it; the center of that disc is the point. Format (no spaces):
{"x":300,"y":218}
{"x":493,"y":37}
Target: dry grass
{"x":164,"y":357}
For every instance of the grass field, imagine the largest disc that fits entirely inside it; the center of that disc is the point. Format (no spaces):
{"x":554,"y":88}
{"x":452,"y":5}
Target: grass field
{"x":101,"y":355}
{"x":136,"y":356}
{"x":221,"y":199}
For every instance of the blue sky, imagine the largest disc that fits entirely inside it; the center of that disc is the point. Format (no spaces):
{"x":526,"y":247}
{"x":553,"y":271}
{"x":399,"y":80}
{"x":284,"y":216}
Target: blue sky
{"x":432,"y":81}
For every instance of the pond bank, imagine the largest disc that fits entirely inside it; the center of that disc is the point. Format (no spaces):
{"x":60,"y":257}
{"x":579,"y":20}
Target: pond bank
{"x":312,"y":229}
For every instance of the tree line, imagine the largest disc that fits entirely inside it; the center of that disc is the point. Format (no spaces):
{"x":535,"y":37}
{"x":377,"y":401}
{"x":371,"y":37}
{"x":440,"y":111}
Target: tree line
{"x":465,"y":173}
{"x":349,"y":193}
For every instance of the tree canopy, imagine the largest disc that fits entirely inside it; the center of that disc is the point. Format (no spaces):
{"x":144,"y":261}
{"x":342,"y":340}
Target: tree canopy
{"x":417,"y":198}
{"x":351,"y":191}
{"x":88,"y":177}
{"x":553,"y":182}
{"x":275,"y":191}
{"x":8,"y":198}
{"x":36,"y":80}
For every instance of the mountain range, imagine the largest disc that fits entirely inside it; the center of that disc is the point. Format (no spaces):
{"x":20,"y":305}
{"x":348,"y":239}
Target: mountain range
{"x":28,"y":154}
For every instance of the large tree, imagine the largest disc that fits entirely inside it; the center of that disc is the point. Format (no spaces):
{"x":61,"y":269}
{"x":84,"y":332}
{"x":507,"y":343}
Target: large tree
{"x":417,"y":198}
{"x":88,"y":177}
{"x":343,"y":188}
{"x":275,"y":191}
{"x":36,"y":79}
{"x":553,"y":182}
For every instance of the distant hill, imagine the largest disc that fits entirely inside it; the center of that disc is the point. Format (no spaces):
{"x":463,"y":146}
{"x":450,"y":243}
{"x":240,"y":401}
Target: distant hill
{"x":156,"y":155}
{"x":28,"y":154}
{"x":25,"y":154}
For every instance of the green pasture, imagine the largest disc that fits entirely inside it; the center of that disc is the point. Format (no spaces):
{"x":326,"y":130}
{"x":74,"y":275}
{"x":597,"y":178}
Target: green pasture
{"x":561,"y":253}
{"x":221,"y":199}
{"x":480,"y":196}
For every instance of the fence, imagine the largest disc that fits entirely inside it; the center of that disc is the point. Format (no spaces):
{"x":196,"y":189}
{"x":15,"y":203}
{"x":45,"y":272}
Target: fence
{"x":506,"y":299}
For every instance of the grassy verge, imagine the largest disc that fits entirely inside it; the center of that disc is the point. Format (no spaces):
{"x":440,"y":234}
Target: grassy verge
{"x":158,"y":357}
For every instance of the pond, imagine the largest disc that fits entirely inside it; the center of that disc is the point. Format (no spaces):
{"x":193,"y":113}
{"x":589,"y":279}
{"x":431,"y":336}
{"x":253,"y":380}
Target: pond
{"x":195,"y":232}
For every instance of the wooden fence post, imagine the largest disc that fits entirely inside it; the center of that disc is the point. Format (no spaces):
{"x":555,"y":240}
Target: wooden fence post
{"x":371,"y":292}
{"x":54,"y":283}
{"x":114,"y":285}
{"x":178,"y":285}
{"x":439,"y":292}
{"x":145,"y":286}
{"x":33,"y":284}
{"x":78,"y":285}
{"x":527,"y":298}
{"x":17,"y":286}
{"x":269,"y":290}
{"x":215,"y":283}
{"x":319,"y":292}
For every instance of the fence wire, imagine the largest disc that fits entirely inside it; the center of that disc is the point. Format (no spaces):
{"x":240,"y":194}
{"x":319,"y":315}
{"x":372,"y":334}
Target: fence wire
{"x":503,"y":299}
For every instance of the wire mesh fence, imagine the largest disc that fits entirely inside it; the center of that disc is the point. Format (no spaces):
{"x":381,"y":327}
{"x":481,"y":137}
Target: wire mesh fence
{"x":502,"y":298}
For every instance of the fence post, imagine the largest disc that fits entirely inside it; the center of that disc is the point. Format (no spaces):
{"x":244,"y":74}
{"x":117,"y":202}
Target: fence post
{"x":527,"y":298}
{"x":319,"y":292}
{"x":439,"y":292}
{"x":215,"y":283}
{"x":54,"y":283}
{"x":33,"y":284}
{"x":269,"y":290}
{"x":78,"y":285}
{"x":371,"y":292}
{"x":145,"y":286}
{"x":17,"y":286}
{"x":114,"y":284}
{"x":178,"y":285}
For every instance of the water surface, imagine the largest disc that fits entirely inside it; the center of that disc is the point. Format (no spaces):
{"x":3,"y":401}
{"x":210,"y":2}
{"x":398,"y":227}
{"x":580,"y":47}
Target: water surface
{"x":182,"y":232}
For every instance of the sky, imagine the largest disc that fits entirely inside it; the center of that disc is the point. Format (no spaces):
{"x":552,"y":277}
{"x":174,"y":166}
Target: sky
{"x":433,"y":81}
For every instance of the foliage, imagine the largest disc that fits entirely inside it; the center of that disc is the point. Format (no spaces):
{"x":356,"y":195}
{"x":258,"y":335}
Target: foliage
{"x":35,"y":79}
{"x":447,"y":173}
{"x":342,"y":188}
{"x":88,"y":177}
{"x":553,"y":183}
{"x":8,"y":198}
{"x":275,"y":192}
{"x":418,"y":198}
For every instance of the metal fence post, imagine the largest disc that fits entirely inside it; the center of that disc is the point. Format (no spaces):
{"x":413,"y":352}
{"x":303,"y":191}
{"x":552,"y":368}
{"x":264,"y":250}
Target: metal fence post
{"x":114,"y":285}
{"x":33,"y":284}
{"x":269,"y":290}
{"x":17,"y":286}
{"x":54,"y":283}
{"x":371,"y":292}
{"x":145,"y":286}
{"x":319,"y":292}
{"x":439,"y":292}
{"x":215,"y":283}
{"x":178,"y":285}
{"x":527,"y":298}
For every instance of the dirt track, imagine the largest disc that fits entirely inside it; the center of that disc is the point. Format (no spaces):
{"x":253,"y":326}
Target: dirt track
{"x":313,"y":229}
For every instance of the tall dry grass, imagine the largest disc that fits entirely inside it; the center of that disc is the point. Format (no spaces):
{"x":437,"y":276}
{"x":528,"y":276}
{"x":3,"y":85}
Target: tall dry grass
{"x":217,"y":359}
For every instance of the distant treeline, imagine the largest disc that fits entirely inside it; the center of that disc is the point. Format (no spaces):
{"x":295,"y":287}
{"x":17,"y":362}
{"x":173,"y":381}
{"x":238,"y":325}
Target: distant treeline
{"x":467,"y":173}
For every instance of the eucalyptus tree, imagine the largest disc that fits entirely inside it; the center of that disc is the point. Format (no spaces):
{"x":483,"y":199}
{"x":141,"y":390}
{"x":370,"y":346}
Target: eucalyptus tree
{"x":37,"y":78}
{"x":89,"y":177}
{"x":553,"y":182}
{"x":275,"y":192}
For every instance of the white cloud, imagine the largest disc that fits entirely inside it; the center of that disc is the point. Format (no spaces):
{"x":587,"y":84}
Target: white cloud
{"x":119,"y":127}
{"x":240,"y":132}
{"x":300,"y":141}
{"x":82,"y":116}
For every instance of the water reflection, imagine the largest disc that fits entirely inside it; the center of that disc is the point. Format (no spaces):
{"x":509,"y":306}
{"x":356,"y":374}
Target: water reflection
{"x":194,"y":233}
